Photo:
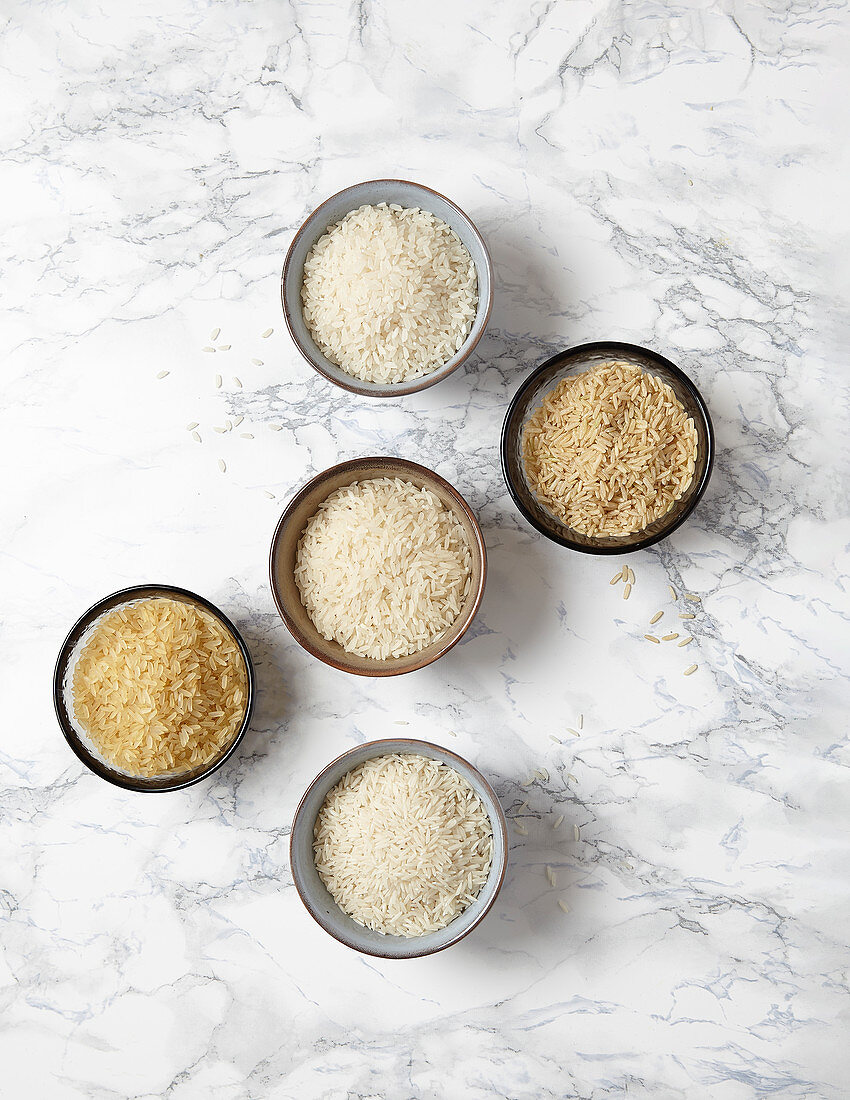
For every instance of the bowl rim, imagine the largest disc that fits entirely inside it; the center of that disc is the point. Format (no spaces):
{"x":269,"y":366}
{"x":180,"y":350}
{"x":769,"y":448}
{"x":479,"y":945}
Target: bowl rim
{"x":399,"y":466}
{"x":414,"y":744}
{"x":107,"y":603}
{"x":615,"y":347}
{"x":415,"y":385}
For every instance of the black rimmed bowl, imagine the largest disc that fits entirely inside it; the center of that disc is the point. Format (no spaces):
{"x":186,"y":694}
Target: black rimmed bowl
{"x":370,"y":193}
{"x":318,"y":901}
{"x":63,"y":675}
{"x":529,"y":397}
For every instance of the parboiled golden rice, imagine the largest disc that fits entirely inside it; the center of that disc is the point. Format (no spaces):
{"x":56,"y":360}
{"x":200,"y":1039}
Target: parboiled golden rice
{"x":160,"y":686}
{"x":610,"y":450}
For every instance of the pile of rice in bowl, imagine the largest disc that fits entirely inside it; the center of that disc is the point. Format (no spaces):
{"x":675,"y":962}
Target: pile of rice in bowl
{"x":160,"y":686}
{"x":609,"y":450}
{"x":383,"y":568}
{"x":403,"y":844}
{"x":389,"y":293}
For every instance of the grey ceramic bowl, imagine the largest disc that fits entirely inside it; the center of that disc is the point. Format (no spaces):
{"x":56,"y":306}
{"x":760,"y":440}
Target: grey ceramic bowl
{"x":76,"y":737}
{"x":333,"y":210}
{"x":325,"y":910}
{"x":304,"y":506}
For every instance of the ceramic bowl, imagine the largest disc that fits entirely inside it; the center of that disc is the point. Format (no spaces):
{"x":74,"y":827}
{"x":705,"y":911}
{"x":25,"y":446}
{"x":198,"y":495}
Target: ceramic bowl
{"x":322,"y":906}
{"x":331,"y":211}
{"x":63,"y":675}
{"x":303,"y":507}
{"x":528,"y":398}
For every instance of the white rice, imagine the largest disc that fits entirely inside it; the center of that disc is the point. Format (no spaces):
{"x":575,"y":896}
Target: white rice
{"x":389,"y":293}
{"x":403,"y":844}
{"x":383,"y":568}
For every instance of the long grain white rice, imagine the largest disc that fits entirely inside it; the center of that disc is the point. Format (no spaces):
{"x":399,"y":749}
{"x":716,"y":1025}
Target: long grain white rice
{"x":389,"y":293}
{"x":403,"y":844}
{"x":383,"y":568}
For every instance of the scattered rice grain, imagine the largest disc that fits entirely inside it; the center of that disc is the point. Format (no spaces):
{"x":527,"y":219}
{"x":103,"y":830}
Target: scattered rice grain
{"x":191,"y":427}
{"x":617,"y":577}
{"x":687,"y":616}
{"x":257,"y":362}
{"x":690,"y":669}
{"x":651,"y":638}
{"x":656,"y":617}
{"x":222,"y":465}
{"x":275,"y":427}
{"x":214,"y":335}
{"x":627,"y":591}
{"x":576,"y":833}
{"x":685,"y":641}
{"x":669,"y":637}
{"x":223,"y":347}
{"x":270,"y":494}
{"x":208,"y":349}
{"x":246,"y":435}
{"x":563,"y":905}
{"x":218,"y":381}
{"x":557,"y":740}
{"x":672,"y":592}
{"x":694,"y":599}
{"x":575,"y":733}
{"x":196,"y":437}
{"x":237,"y":382}
{"x":163,"y":374}
{"x":559,"y":820}
{"x":265,"y":335}
{"x":238,"y":421}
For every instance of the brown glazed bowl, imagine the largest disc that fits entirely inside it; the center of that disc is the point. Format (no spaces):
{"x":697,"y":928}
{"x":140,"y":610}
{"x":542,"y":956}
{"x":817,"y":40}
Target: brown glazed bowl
{"x":333,"y":210}
{"x":317,"y":899}
{"x":303,"y":507}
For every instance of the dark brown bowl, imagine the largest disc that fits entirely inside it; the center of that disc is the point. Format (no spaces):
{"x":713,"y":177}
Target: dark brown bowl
{"x":545,"y":378}
{"x":303,"y":507}
{"x":62,"y":701}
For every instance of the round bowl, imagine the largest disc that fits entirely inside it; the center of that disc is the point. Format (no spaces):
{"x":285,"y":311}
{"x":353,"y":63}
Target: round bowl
{"x":331,"y":211}
{"x":62,"y":698}
{"x":318,"y":901}
{"x":532,"y":392}
{"x":303,"y":507}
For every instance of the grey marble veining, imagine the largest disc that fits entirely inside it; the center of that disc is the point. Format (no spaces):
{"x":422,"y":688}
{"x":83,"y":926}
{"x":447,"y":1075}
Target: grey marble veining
{"x":671,"y":174}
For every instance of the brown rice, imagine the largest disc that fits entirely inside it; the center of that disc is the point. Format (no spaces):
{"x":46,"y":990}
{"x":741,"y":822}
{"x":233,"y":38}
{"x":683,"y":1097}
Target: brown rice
{"x":610,"y":450}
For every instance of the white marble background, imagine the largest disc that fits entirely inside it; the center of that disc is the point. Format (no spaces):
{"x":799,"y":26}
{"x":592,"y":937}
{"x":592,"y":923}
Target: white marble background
{"x":668,"y":173}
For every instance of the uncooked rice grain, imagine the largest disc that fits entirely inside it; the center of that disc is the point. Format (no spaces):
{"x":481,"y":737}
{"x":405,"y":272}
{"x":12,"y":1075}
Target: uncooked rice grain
{"x":160,"y":686}
{"x":687,"y":616}
{"x":403,"y":844}
{"x":196,"y":437}
{"x":610,"y":450}
{"x":617,"y":577}
{"x":627,"y":591}
{"x":389,"y":293}
{"x":222,"y":465}
{"x":558,"y":821}
{"x":208,"y":349}
{"x":563,"y":905}
{"x":655,"y":618}
{"x":192,"y":426}
{"x":690,"y":669}
{"x":265,"y":335}
{"x":223,"y":347}
{"x":214,"y":335}
{"x":163,"y":374}
{"x":651,"y":638}
{"x":669,"y":637}
{"x":218,"y":381}
{"x":384,"y":568}
{"x":257,"y":362}
{"x":694,"y":599}
{"x":685,"y":641}
{"x":672,"y":591}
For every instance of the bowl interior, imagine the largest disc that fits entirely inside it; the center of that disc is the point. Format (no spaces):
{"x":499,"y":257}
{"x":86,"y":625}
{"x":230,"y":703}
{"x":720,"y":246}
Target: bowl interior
{"x":304,"y":505}
{"x":74,"y":733}
{"x":323,"y":907}
{"x":333,"y":210}
{"x":528,"y":398}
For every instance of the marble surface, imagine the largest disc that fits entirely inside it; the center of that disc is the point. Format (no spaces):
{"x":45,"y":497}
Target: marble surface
{"x":668,"y":173}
